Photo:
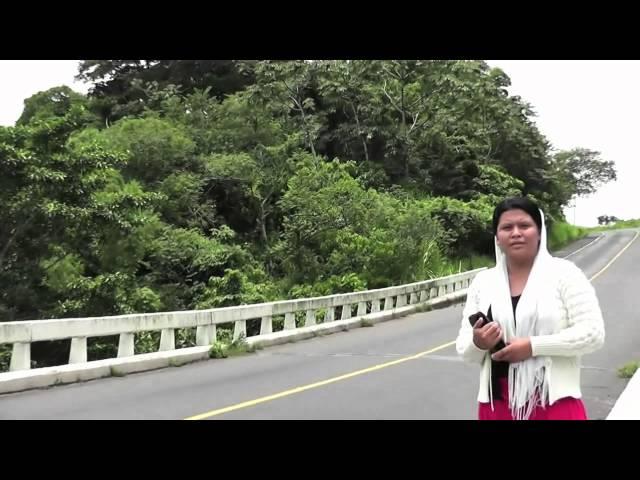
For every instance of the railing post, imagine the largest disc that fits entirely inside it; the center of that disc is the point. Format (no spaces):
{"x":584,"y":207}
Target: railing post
{"x":289,"y":321}
{"x":388,"y":303}
{"x":310,"y":318}
{"x":402,"y":300}
{"x":240,"y":329}
{"x":330,"y":314}
{"x":375,"y":305}
{"x":167,"y":339}
{"x":362,"y":309}
{"x":78,"y":353}
{"x":266,"y":325}
{"x":205,"y":328}
{"x":126,"y":345}
{"x":346,"y":311}
{"x":414,"y":298}
{"x":20,"y":357}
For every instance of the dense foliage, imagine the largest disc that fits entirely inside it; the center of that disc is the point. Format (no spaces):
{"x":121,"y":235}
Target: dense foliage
{"x":196,"y":184}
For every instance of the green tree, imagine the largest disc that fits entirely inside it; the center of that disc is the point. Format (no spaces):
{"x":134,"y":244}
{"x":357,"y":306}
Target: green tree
{"x":289,"y":88}
{"x":57,"y":102}
{"x":583,"y":171}
{"x":335,"y":227}
{"x":347,"y":91}
{"x":46,"y":199}
{"x":156,"y":148}
{"x":123,"y":87}
{"x":263,"y":174}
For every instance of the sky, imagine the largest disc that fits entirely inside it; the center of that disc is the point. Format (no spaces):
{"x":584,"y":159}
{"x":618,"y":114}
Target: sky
{"x":586,"y":103}
{"x":590,"y":104}
{"x":20,"y":79}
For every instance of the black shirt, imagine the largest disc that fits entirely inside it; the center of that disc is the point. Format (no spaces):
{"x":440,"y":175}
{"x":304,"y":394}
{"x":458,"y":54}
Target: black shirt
{"x":501,"y":369}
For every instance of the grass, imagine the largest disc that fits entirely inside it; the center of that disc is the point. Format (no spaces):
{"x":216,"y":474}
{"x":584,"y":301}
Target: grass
{"x":235,"y":348}
{"x":366,"y":323}
{"x":562,"y":234}
{"x":438,"y":266}
{"x":618,"y":226}
{"x":466,"y":264}
{"x":627,"y":370}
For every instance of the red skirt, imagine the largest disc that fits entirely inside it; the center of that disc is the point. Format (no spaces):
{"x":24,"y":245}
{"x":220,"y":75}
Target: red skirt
{"x":567,"y":408}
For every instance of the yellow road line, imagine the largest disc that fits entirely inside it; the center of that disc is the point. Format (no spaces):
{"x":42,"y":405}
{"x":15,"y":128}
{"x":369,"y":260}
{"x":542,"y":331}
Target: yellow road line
{"x":615,"y":258}
{"x":309,"y":386}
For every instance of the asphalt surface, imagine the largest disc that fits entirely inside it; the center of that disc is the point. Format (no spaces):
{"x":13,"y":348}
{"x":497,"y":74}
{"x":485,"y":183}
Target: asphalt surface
{"x":323,"y":378}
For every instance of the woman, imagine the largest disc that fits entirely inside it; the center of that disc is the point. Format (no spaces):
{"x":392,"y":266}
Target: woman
{"x":546,"y":312}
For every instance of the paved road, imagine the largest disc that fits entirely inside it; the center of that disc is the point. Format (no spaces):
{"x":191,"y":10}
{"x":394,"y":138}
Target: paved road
{"x":367,"y":373}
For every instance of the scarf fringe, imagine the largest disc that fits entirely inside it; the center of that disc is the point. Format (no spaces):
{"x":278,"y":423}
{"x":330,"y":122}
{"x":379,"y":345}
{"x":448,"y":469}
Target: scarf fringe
{"x":526,"y":393}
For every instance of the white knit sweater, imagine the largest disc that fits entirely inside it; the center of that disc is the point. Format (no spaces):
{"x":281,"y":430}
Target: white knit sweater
{"x":579,"y":329}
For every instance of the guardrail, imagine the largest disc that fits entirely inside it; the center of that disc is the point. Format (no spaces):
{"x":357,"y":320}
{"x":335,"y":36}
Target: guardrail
{"x":313,"y":310}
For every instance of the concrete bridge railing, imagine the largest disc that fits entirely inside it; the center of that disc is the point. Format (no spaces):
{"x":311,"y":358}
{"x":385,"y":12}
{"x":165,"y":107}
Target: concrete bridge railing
{"x":318,"y":309}
{"x":279,"y":322}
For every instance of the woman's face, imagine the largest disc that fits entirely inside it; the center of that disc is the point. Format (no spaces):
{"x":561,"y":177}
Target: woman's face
{"x":518,"y":235}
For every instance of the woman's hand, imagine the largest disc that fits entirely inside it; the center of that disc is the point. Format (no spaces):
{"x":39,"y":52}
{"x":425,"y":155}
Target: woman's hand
{"x":517,"y":350}
{"x":488,"y":336}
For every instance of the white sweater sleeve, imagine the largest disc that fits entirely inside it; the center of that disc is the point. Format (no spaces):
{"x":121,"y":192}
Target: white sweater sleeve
{"x":585,"y":332}
{"x":464,"y":342}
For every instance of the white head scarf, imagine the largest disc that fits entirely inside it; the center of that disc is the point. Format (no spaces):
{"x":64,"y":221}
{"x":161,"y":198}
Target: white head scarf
{"x":528,"y":385}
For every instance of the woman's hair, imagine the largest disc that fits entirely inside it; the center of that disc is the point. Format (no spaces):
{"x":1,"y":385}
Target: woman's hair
{"x":521,"y":203}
